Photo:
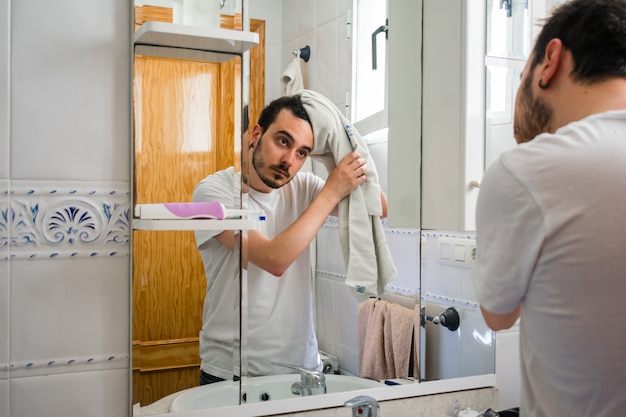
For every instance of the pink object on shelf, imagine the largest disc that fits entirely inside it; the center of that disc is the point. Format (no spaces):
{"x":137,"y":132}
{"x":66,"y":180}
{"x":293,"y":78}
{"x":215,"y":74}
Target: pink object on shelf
{"x":199,"y":210}
{"x":188,"y":210}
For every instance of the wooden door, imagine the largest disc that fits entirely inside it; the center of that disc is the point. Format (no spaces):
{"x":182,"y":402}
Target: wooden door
{"x":185,"y":129}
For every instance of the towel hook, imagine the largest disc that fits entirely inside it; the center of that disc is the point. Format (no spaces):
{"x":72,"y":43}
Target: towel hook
{"x":304,"y":53}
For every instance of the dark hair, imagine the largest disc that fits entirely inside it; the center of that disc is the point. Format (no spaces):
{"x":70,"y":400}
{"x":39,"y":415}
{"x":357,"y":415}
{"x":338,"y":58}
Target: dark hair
{"x":595,"y":33}
{"x":292,"y":103}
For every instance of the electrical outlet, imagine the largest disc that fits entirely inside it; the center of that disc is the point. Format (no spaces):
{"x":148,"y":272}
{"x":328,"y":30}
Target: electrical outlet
{"x":457,"y":251}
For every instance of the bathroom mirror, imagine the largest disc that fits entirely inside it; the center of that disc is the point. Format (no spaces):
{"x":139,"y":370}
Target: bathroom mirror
{"x":167,"y":311}
{"x":187,"y":118}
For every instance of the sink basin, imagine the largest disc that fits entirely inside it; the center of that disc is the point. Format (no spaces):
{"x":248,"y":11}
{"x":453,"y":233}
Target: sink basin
{"x":258,"y":389}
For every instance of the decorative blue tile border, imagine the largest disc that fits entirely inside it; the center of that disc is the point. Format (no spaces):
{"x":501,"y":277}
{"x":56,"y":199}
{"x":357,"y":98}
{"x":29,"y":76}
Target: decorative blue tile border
{"x":56,"y":220}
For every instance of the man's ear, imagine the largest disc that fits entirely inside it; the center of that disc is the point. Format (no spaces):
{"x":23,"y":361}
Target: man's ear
{"x":257,"y":131}
{"x":551,"y":62}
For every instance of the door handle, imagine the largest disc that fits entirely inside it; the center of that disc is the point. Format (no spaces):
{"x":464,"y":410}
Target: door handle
{"x":383,"y":28}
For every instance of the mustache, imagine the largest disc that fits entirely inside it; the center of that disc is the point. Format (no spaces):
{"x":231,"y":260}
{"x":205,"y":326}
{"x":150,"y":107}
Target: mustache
{"x":282,"y":168}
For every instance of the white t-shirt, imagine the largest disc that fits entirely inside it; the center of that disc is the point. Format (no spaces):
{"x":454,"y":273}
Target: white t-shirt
{"x":279,"y":326}
{"x":551,"y":234}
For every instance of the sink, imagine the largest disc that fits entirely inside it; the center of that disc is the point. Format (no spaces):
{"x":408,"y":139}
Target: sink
{"x":258,"y":389}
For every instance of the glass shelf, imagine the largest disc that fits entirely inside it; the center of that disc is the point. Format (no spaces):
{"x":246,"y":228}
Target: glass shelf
{"x":162,"y":34}
{"x":197,"y":224}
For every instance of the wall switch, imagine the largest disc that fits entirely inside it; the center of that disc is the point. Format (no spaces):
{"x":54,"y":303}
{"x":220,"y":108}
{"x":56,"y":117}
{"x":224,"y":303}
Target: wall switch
{"x":456,"y":251}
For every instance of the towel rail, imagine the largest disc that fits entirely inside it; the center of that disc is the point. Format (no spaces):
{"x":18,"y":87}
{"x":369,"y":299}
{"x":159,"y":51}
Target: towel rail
{"x":449,"y":318}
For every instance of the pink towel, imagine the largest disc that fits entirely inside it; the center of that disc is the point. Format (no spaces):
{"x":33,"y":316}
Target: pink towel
{"x":398,"y":335}
{"x":373,"y":361}
{"x":388,"y":343}
{"x":365,"y":310}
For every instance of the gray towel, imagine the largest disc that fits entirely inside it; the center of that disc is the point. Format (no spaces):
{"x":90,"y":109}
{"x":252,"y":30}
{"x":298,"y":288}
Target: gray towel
{"x":368,"y":259}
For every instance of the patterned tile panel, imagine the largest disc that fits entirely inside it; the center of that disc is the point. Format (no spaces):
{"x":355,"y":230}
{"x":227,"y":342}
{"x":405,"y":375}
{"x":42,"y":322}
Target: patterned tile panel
{"x":50,"y":220}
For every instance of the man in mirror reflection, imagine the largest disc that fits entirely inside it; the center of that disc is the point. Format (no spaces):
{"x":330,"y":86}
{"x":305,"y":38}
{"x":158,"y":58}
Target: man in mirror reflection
{"x":551,"y":217}
{"x":277,"y":256}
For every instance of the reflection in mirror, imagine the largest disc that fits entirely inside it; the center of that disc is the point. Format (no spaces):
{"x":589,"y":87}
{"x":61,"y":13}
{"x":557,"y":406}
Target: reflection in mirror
{"x":453,"y":120}
{"x":340,"y":331}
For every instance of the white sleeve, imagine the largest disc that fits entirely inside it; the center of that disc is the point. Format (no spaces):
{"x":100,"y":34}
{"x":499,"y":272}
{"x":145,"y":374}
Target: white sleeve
{"x":220,"y":187}
{"x":509,"y":237}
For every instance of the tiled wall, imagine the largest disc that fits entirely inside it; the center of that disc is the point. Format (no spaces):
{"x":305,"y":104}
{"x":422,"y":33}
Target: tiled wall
{"x":321,"y":24}
{"x":64,"y":170}
{"x":447,"y":282}
{"x":467,"y":351}
{"x":64,"y":198}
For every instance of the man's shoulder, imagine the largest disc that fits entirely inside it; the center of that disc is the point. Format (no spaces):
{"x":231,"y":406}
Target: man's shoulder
{"x":218,"y":186}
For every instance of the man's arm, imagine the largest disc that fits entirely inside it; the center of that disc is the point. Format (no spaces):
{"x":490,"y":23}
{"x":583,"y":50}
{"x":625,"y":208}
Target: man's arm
{"x":277,"y":254}
{"x":501,"y":321}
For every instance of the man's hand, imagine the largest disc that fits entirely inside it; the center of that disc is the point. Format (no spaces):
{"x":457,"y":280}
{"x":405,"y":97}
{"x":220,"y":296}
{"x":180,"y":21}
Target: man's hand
{"x":346,"y":176}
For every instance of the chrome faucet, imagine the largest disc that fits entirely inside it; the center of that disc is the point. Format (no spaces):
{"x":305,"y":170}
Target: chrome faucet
{"x":311,"y":382}
{"x":363,"y":406}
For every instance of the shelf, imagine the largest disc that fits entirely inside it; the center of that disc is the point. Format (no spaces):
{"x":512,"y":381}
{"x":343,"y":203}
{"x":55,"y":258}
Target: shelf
{"x":196,"y":38}
{"x":200,"y":224}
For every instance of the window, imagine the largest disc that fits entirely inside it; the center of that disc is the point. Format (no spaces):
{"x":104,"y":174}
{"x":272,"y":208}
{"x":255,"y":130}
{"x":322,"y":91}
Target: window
{"x":369,"y":98}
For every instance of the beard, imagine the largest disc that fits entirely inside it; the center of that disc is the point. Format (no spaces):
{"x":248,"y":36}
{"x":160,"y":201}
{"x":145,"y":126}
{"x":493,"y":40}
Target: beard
{"x":259,"y":164}
{"x":532,"y":115}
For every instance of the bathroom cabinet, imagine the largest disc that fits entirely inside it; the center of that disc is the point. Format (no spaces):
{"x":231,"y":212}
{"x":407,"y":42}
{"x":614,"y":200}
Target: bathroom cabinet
{"x":189,"y":86}
{"x":453,"y":114}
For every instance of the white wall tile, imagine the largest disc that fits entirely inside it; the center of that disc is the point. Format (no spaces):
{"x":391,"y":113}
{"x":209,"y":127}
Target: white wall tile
{"x":404,"y":245}
{"x":271,"y":11}
{"x":477,"y":344}
{"x":344,"y":5}
{"x":467,"y":351}
{"x":326,"y":60}
{"x":347,"y":348}
{"x":4,"y":89}
{"x":273,"y":71}
{"x":326,"y":318}
{"x":5,"y":296}
{"x":298,"y":18}
{"x":4,"y":397}
{"x":508,"y":367}
{"x":290,"y":20}
{"x":93,"y":394}
{"x":445,"y":278}
{"x":70,"y":106}
{"x":65,"y":308}
{"x":325,"y":11}
{"x":442,"y":347}
{"x":4,"y":316}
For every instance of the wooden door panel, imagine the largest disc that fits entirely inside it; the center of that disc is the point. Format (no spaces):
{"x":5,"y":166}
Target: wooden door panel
{"x":177,"y":139}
